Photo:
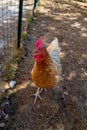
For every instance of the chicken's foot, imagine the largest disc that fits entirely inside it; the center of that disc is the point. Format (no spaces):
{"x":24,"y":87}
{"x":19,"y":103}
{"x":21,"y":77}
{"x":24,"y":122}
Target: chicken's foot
{"x":37,"y":94}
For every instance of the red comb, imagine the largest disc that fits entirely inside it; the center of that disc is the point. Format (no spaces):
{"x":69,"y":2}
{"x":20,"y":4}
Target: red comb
{"x":39,"y":43}
{"x":85,"y":6}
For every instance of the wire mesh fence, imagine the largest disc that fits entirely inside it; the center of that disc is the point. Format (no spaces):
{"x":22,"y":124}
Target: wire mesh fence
{"x":9,"y":14}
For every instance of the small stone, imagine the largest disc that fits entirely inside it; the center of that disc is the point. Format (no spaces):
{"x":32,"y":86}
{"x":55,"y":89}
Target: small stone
{"x":64,"y":96}
{"x":6,"y":117}
{"x":33,"y":28}
{"x":12,"y":83}
{"x":41,"y":115}
{"x":65,"y":93}
{"x":2,"y":125}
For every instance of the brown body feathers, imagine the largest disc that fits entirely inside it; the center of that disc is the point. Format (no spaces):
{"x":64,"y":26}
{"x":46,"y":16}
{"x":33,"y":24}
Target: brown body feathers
{"x":45,"y":73}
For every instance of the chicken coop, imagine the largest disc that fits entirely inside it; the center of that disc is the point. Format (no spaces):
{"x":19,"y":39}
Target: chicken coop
{"x":13,"y":21}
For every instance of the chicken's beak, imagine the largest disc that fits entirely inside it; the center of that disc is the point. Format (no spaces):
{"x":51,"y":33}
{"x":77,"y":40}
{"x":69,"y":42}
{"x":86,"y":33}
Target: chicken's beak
{"x":35,"y":54}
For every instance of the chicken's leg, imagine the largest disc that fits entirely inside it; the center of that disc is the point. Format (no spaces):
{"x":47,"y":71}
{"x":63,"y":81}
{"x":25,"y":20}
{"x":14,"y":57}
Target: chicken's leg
{"x":37,"y":94}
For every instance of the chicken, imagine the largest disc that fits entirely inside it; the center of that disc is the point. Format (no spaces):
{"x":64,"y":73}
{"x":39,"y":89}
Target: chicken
{"x":46,"y":72}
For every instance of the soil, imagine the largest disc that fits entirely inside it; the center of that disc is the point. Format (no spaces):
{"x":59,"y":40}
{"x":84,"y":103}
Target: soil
{"x":54,"y":112}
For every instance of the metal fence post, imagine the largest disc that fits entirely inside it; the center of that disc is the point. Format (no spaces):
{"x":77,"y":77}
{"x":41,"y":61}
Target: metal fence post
{"x":20,"y":22}
{"x":35,"y":4}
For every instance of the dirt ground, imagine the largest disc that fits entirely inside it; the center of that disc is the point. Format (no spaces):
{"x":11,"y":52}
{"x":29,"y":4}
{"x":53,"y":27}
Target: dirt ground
{"x":69,"y":24}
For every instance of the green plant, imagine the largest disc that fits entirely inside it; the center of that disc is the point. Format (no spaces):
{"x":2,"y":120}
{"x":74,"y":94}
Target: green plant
{"x":10,"y":70}
{"x":11,"y":66}
{"x":23,"y":36}
{"x":39,"y":3}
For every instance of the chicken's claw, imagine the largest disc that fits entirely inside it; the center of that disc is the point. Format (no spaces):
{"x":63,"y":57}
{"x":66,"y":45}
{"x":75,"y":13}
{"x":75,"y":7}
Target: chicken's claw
{"x":37,"y":95}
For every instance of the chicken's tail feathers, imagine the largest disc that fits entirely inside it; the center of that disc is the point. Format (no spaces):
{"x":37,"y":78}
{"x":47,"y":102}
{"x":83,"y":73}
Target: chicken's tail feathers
{"x":54,"y":51}
{"x":55,"y":42}
{"x":54,"y":46}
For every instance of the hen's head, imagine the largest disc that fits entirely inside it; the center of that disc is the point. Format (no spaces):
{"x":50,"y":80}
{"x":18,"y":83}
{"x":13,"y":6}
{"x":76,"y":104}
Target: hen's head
{"x":40,"y":50}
